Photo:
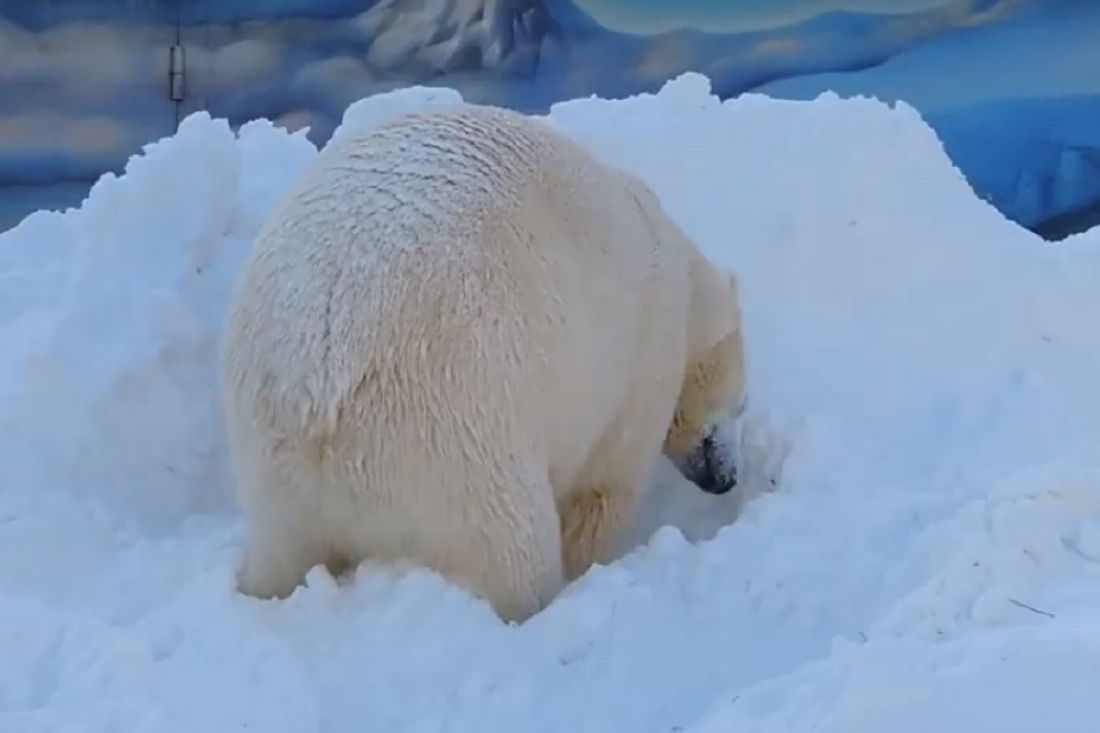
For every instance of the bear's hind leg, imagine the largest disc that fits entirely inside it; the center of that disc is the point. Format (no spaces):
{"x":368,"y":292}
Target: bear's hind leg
{"x":509,"y":550}
{"x":276,"y":561}
{"x":282,"y":538}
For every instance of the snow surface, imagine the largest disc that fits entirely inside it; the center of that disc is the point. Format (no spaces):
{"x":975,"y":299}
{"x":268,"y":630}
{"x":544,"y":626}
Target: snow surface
{"x":1016,"y":101}
{"x":923,"y":394}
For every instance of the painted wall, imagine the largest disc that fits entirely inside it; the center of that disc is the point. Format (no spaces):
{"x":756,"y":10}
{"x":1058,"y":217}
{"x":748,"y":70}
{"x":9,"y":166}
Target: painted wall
{"x":1012,"y":86}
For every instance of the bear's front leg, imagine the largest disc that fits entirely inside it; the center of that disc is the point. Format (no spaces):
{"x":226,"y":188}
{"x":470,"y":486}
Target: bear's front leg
{"x":591,"y":524}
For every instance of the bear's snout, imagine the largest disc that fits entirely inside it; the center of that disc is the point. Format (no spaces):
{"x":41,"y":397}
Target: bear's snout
{"x":711,"y":466}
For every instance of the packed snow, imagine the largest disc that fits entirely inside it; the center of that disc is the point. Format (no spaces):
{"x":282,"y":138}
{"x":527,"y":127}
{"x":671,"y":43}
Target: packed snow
{"x":1015,"y":98}
{"x":916,"y":547}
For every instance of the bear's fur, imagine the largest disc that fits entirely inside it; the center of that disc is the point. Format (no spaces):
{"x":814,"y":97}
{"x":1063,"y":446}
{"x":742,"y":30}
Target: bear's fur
{"x":462,"y":341}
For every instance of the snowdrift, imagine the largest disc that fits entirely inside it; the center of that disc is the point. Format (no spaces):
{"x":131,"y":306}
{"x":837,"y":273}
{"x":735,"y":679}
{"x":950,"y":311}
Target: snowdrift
{"x":924,"y":416}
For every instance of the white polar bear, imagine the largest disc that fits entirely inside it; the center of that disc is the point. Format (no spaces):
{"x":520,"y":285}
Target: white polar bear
{"x":462,"y":341}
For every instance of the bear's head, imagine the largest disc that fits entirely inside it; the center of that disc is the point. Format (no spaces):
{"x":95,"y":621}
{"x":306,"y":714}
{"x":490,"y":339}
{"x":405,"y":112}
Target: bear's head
{"x":712,"y":391}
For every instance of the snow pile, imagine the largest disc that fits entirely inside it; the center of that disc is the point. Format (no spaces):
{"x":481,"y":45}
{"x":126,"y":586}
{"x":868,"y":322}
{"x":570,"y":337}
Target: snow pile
{"x":1024,"y":131}
{"x":923,"y":392}
{"x":111,"y":315}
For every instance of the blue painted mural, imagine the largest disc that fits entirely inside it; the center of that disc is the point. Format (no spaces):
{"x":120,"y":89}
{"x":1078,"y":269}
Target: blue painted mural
{"x":1011,"y":86}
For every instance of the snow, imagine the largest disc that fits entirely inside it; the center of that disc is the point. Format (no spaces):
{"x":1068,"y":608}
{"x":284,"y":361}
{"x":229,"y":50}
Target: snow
{"x":922,"y":394}
{"x":1016,"y":102}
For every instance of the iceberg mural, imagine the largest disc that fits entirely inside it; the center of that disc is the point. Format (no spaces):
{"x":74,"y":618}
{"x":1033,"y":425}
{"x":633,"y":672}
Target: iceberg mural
{"x":1011,"y":86}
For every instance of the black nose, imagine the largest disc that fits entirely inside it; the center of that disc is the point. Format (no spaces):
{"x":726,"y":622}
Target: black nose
{"x":718,"y":484}
{"x":719,"y":474}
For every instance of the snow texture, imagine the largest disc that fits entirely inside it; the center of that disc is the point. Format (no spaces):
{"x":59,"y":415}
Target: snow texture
{"x":917,"y":547}
{"x":1016,"y":102}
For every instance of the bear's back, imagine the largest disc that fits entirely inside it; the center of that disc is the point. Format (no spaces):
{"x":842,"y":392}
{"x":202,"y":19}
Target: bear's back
{"x":432,"y":169}
{"x":409,"y":198}
{"x":419,"y":242}
{"x":378,"y":248}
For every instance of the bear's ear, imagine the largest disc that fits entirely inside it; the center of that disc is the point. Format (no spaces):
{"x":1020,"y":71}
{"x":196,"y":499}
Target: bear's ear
{"x":735,"y":291}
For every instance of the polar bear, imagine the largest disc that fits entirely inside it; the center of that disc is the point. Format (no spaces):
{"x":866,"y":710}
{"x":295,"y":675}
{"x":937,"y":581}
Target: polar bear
{"x":463,"y":342}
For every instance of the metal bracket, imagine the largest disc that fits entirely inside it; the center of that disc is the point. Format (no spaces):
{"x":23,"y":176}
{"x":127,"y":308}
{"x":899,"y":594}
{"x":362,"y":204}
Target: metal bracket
{"x":176,"y":70}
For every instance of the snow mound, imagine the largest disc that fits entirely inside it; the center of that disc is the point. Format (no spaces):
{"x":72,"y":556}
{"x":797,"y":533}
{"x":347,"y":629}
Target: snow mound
{"x":918,"y":549}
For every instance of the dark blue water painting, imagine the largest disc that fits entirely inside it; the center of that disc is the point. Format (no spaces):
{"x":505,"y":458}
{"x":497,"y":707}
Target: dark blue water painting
{"x":1011,"y":86}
